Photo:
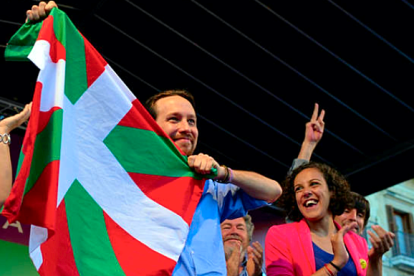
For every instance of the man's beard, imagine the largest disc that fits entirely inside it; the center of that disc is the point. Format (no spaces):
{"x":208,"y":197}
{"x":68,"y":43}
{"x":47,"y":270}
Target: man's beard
{"x":228,"y":251}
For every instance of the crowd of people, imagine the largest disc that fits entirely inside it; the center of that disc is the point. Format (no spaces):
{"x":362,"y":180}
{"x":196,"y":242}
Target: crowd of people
{"x":325,"y":219}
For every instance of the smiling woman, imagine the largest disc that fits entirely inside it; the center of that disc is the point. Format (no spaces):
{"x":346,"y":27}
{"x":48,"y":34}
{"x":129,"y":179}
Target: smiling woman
{"x":321,"y":176}
{"x":314,"y":244}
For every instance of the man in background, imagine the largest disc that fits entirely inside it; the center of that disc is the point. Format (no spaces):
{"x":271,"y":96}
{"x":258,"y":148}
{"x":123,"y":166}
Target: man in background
{"x":242,"y":259}
{"x":358,"y":211}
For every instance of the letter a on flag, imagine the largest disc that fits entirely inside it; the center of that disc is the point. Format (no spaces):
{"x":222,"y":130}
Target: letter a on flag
{"x":105,"y":189}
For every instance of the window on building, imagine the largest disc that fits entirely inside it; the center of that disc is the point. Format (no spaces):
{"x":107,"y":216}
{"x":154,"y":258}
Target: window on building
{"x":401,"y":224}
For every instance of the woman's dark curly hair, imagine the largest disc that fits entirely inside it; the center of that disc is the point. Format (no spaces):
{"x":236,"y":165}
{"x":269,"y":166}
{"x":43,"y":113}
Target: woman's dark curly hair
{"x":337,"y":183}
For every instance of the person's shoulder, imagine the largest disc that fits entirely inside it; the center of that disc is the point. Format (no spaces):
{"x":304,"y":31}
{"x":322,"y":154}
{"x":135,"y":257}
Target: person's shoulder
{"x":358,"y":240}
{"x":215,"y":185}
{"x":355,"y":236}
{"x":219,"y":190}
{"x":285,"y":233}
{"x":284,"y":226}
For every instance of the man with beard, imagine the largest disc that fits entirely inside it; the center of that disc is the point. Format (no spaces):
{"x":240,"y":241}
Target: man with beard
{"x":241,"y":258}
{"x":228,"y":195}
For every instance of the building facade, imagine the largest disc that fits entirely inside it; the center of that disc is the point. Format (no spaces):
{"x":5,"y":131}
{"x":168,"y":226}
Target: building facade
{"x":393,"y":209}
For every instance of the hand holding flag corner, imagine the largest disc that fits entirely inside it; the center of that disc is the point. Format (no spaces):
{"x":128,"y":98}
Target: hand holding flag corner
{"x":105,"y":189}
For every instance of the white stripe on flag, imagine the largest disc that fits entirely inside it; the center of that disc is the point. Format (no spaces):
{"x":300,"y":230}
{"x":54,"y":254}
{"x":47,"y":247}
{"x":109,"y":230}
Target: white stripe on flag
{"x":86,"y":158}
{"x":51,"y":75}
{"x":38,"y":235}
